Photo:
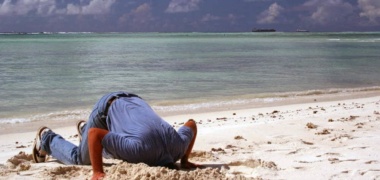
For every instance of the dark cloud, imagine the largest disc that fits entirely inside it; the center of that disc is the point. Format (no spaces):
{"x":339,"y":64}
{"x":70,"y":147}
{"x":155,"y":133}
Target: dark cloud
{"x":188,"y":15}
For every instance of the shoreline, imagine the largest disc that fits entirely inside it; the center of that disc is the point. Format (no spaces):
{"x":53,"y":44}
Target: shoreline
{"x":177,"y":106}
{"x":56,"y":118}
{"x":320,"y":136}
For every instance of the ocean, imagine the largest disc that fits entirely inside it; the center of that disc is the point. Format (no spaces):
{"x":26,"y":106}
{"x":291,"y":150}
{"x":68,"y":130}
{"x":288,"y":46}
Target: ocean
{"x":61,"y":75}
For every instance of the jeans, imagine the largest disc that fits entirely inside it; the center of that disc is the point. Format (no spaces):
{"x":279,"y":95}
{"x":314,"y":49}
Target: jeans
{"x":68,"y":153}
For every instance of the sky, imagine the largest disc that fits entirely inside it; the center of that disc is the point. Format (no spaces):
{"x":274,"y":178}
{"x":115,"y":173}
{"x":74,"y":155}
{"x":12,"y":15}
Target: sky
{"x":188,"y":15}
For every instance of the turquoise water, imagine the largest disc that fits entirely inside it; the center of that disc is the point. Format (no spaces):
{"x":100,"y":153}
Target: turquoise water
{"x":45,"y":73}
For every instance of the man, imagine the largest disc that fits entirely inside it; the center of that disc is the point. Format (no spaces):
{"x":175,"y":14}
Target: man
{"x":122,"y":126}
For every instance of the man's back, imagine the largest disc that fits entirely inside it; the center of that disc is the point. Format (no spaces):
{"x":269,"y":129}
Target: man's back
{"x":138,"y":134}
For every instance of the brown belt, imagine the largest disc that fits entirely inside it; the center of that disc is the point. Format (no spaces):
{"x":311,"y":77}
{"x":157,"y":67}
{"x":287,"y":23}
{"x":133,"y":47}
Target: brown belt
{"x":112,"y":99}
{"x":109,"y":102}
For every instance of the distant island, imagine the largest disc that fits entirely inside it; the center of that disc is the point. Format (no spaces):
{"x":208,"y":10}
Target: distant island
{"x":263,"y":30}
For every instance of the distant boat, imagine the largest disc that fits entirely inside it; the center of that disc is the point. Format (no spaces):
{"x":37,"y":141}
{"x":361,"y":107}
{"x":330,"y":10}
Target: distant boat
{"x":263,"y":30}
{"x":301,"y":30}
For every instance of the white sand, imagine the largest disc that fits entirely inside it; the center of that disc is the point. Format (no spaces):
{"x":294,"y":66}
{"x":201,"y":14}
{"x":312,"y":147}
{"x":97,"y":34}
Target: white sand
{"x":318,"y":140}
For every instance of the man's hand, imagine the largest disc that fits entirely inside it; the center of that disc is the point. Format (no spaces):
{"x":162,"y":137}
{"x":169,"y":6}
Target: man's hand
{"x":185,"y":159}
{"x":95,"y":137}
{"x":97,"y":176}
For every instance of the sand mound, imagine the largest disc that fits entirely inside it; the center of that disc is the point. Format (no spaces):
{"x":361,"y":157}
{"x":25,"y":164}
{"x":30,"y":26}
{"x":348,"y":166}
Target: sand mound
{"x":126,"y":170}
{"x":20,"y":162}
{"x":3,"y":170}
{"x":68,"y":172}
{"x":121,"y":170}
{"x":17,"y":163}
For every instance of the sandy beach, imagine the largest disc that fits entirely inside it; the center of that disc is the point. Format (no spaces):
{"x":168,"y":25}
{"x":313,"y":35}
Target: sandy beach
{"x":324,"y":137}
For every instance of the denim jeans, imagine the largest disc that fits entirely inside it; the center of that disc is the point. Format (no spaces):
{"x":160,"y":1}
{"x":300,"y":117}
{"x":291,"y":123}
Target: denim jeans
{"x":68,"y":153}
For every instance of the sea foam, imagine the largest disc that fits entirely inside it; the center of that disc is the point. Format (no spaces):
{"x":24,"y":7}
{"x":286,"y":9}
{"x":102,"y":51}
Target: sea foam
{"x":14,"y":120}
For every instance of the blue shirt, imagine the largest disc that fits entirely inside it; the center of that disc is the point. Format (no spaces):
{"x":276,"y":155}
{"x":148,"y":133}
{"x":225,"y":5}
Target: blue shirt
{"x":137,"y":134}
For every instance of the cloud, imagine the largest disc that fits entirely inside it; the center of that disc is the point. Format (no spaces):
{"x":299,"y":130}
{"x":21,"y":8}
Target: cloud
{"x":209,"y":17}
{"x":49,"y":7}
{"x":230,"y":18}
{"x":370,"y":9}
{"x":182,"y":6}
{"x":11,"y":8}
{"x":329,"y":11}
{"x":138,"y":19}
{"x":270,"y":15}
{"x":91,"y":8}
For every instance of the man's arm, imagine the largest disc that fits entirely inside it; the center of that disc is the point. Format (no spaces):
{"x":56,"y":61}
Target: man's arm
{"x":185,"y":159}
{"x":95,"y":137}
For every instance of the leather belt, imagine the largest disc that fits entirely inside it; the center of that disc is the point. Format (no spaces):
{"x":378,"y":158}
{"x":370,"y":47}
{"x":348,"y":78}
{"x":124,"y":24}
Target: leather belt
{"x":112,"y":99}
